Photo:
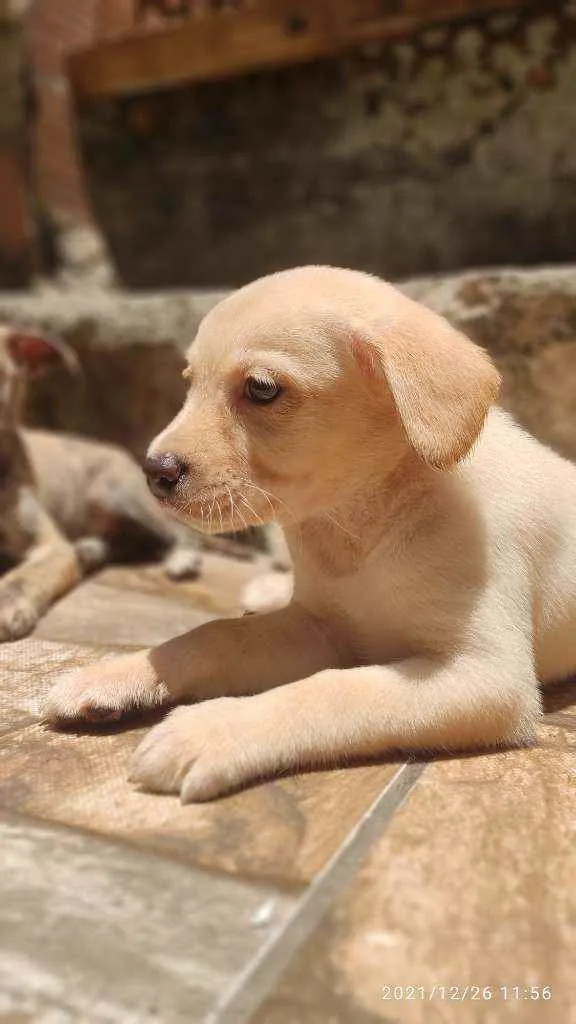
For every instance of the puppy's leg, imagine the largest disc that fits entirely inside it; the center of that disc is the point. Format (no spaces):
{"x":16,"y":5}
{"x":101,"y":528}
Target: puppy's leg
{"x":49,"y":569}
{"x":206,"y":751}
{"x":229,"y":656}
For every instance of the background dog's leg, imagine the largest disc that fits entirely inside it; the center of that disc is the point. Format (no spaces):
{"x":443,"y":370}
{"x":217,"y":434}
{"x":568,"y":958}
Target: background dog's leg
{"x":49,"y":568}
{"x":123,"y":511}
{"x":93,"y":552}
{"x":337,"y":716}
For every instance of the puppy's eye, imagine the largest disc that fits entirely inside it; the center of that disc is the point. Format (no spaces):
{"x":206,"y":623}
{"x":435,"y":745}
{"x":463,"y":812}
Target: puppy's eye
{"x":261,"y":390}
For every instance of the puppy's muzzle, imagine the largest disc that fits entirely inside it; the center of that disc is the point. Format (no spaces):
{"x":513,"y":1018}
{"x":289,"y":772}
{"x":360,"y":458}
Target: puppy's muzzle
{"x":163,"y":473}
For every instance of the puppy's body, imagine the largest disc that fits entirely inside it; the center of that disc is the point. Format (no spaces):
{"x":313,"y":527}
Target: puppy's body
{"x":433,"y":541}
{"x":434,"y":548}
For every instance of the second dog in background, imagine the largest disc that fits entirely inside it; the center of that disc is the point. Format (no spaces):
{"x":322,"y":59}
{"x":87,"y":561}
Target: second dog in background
{"x":70,"y":504}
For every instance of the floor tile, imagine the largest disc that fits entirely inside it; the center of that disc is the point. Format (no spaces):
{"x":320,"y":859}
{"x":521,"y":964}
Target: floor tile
{"x":472,"y":885}
{"x":92,"y":931}
{"x":138,"y":606}
{"x":285,"y":830}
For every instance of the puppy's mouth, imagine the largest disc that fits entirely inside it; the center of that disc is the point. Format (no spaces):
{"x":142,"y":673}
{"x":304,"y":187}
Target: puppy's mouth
{"x":219,"y":508}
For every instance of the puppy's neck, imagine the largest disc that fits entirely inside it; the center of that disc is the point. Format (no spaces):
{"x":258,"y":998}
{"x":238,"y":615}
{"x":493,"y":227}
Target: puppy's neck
{"x":384,"y":511}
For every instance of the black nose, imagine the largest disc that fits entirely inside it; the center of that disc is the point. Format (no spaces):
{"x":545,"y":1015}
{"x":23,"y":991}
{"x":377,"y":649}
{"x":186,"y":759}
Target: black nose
{"x":163,"y":472}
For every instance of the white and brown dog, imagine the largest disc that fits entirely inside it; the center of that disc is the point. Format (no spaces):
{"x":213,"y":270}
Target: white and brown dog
{"x":433,"y":541}
{"x":67,"y":504}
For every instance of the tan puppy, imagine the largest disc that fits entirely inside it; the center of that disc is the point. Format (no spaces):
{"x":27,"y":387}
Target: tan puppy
{"x":433,"y":541}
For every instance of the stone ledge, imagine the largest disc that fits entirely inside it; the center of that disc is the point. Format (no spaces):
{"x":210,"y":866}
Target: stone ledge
{"x":130,"y":349}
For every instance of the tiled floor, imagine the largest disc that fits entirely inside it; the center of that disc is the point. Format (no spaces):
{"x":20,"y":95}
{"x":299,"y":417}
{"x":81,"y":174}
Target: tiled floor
{"x":472,"y":885}
{"x":297,"y":901}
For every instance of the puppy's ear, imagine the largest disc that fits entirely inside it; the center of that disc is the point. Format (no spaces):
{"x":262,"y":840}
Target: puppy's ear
{"x":442,"y":383}
{"x":34,"y":351}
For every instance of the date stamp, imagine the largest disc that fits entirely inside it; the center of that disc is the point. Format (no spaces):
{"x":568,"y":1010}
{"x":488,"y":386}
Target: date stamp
{"x":463,"y":993}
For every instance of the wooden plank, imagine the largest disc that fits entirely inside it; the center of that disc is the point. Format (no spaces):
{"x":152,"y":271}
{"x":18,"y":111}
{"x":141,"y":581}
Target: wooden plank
{"x":222,"y":44}
{"x":210,"y":48}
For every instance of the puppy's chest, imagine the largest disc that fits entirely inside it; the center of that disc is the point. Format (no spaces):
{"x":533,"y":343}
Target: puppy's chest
{"x":375,"y":615}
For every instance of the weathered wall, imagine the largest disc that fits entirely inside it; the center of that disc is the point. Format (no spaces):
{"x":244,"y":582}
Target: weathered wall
{"x":15,"y":117}
{"x":54,"y":28}
{"x":453,"y":148}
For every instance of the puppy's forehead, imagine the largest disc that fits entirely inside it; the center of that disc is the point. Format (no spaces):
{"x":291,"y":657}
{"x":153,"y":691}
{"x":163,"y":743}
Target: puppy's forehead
{"x":301,"y":309}
{"x":252,"y":326}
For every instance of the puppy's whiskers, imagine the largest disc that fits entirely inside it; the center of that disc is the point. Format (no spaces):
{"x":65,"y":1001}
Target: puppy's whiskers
{"x":231,"y":502}
{"x":332,"y":519}
{"x":252,"y":510}
{"x":267,"y":495}
{"x":270,"y":495}
{"x":211,"y":509}
{"x":234,"y":508}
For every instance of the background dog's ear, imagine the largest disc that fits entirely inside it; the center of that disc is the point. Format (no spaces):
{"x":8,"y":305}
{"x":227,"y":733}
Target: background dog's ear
{"x":33,"y":351}
{"x":442,"y":383}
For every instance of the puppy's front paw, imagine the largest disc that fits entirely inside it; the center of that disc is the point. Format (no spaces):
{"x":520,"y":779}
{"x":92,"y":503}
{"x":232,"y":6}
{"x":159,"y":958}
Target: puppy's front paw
{"x":201,"y":752}
{"x":105,"y":691}
{"x":17,"y":619}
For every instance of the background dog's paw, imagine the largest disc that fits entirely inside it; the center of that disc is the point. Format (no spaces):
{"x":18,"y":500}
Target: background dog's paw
{"x":17,"y":619}
{"x":267,"y":593}
{"x":92,"y":552}
{"x":183,"y":563}
{"x":106,"y":691}
{"x":196,"y":751}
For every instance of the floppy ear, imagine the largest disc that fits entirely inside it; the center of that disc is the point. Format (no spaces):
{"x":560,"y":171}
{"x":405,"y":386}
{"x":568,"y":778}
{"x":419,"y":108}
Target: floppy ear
{"x":33,"y":351}
{"x":442,"y":383}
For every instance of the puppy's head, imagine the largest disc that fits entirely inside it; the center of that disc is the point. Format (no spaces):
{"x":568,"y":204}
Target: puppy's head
{"x":310,"y":385}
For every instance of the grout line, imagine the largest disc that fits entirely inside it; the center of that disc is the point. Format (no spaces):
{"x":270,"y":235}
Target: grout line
{"x":245,"y":995}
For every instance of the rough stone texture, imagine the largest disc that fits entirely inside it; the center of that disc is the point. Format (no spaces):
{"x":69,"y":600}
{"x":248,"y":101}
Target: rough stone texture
{"x":130,"y":348}
{"x":470,"y":886}
{"x":450,"y":148}
{"x":527,"y":321}
{"x":96,"y":932}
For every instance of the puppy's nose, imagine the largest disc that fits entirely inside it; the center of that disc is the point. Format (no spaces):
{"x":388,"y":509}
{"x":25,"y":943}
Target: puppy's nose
{"x":163,"y":472}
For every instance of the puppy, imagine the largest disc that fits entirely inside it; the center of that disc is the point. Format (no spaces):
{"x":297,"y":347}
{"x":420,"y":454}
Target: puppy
{"x":37,"y":561}
{"x":67,"y":504}
{"x":433,"y":542}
